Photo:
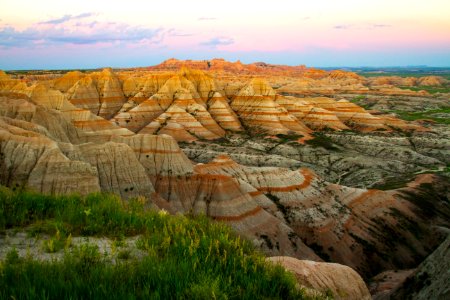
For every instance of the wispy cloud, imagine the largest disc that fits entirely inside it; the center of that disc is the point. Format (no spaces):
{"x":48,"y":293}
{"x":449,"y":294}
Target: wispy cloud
{"x":362,"y":26}
{"x":218,"y":41}
{"x":207,"y":19}
{"x":342,"y":26}
{"x":79,"y":33}
{"x":174,"y":32}
{"x":381,"y":25}
{"x":67,"y":18}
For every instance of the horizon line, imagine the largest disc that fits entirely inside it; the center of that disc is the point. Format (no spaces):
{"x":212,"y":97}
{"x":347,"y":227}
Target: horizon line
{"x":259,"y":61}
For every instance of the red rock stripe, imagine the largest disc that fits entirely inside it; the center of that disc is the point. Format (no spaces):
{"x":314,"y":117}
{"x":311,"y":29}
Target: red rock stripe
{"x":239,"y":217}
{"x":306,"y":183}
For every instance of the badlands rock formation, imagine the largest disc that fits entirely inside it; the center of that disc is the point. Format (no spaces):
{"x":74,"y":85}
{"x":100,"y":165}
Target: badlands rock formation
{"x":338,"y":225}
{"x":100,"y":92}
{"x":222,"y":66}
{"x":142,"y":165}
{"x":341,"y":281}
{"x":277,"y":208}
{"x":191,"y":105}
{"x":407,"y":81}
{"x":255,"y":105}
{"x":267,"y":149}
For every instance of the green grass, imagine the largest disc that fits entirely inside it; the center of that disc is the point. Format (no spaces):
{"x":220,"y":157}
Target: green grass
{"x":186,"y":257}
{"x":428,"y":114}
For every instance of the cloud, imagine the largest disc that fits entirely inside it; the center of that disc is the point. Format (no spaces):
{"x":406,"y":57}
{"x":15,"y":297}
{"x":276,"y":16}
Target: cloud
{"x":173,"y":32}
{"x":218,"y":41}
{"x":90,"y":24}
{"x":207,"y":19}
{"x":362,"y":26}
{"x":381,"y":25}
{"x":342,"y":26}
{"x":67,"y":18}
{"x":81,"y":33}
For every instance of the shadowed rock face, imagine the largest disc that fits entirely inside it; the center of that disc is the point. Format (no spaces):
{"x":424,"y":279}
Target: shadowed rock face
{"x":428,"y":281}
{"x":431,"y":279}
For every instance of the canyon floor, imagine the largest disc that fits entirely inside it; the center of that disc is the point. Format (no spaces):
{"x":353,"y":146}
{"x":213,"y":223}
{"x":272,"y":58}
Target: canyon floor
{"x":312,"y":165}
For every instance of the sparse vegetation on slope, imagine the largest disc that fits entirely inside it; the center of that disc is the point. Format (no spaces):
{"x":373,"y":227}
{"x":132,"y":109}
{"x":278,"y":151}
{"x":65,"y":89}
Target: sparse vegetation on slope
{"x":429,"y":89}
{"x":437,"y":115}
{"x":321,"y":140}
{"x":186,"y":257}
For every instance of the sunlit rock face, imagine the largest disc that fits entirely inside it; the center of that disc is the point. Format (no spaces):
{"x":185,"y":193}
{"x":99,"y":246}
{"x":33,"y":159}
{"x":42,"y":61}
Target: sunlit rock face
{"x":255,"y":105}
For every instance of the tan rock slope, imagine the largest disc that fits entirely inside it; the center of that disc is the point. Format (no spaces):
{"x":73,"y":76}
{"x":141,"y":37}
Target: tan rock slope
{"x":29,"y":157}
{"x":187,"y":107}
{"x":314,"y":117}
{"x":339,"y":280}
{"x":255,"y":105}
{"x":99,"y":92}
{"x":407,"y":81}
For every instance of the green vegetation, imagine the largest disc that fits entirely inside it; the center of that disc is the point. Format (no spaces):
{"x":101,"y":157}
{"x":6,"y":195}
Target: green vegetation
{"x":284,"y":138}
{"x":186,"y":257}
{"x":429,"y":89}
{"x":405,"y":74}
{"x":394,"y":182}
{"x":321,"y":140}
{"x":358,"y":100}
{"x":427,"y":114}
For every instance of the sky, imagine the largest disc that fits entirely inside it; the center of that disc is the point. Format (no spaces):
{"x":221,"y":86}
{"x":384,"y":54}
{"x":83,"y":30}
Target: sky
{"x":60,"y":34}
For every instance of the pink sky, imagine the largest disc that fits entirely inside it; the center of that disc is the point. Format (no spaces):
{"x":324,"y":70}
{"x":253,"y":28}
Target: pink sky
{"x":83,"y":34}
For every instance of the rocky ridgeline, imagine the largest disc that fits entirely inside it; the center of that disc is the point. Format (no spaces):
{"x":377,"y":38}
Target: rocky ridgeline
{"x":191,"y":105}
